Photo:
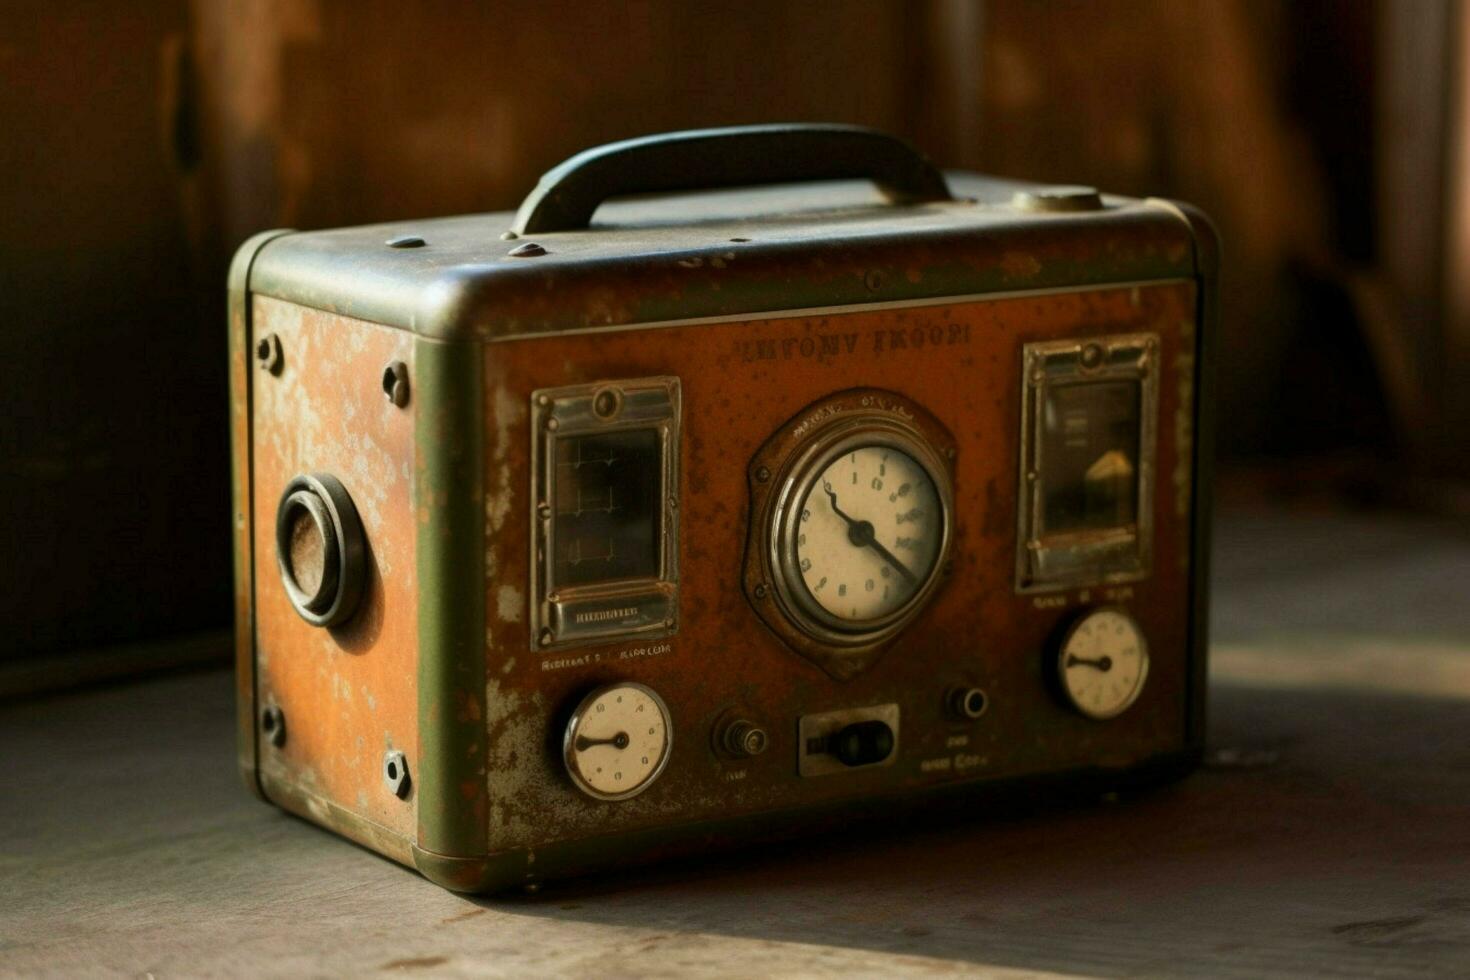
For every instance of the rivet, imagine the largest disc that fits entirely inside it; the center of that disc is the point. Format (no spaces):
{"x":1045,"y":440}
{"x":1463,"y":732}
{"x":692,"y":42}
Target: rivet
{"x":762,"y":475}
{"x":395,"y":383}
{"x":508,"y":236}
{"x":606,"y":403}
{"x":546,"y":637}
{"x":873,"y":280}
{"x":1092,"y":356}
{"x":405,"y":241}
{"x":552,"y":424}
{"x":268,"y":353}
{"x":760,"y":590}
{"x":527,"y":251}
{"x":543,"y":511}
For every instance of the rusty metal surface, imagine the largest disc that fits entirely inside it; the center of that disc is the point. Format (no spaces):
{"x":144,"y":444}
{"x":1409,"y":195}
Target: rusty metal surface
{"x":349,"y":693}
{"x":741,"y":382}
{"x":930,"y":302}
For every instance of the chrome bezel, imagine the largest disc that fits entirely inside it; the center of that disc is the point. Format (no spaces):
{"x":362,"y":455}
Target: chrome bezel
{"x":569,"y":738}
{"x":1049,"y":563}
{"x":1061,"y":660}
{"x":646,"y":608}
{"x":862,"y":430}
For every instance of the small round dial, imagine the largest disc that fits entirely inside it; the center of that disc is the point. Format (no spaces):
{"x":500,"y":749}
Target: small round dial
{"x":1103,"y":663}
{"x":869,"y":533}
{"x":617,"y":741}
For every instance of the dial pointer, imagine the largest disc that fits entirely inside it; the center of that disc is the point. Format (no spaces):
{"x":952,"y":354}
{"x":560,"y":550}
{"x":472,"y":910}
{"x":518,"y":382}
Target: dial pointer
{"x":860,"y":533}
{"x":1103,"y":664}
{"x":618,"y":741}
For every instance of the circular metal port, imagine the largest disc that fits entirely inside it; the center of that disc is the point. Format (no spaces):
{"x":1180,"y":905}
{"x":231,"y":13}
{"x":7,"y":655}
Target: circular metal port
{"x":968,"y":702}
{"x":320,"y":549}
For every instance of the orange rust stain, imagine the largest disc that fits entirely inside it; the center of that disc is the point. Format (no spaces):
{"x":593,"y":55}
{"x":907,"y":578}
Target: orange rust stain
{"x":1019,"y":265}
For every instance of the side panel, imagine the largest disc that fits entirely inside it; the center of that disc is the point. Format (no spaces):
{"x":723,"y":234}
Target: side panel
{"x":741,"y":382}
{"x":349,"y":693}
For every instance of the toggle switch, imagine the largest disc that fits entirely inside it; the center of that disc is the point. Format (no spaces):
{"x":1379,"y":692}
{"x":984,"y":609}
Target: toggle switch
{"x":862,"y":743}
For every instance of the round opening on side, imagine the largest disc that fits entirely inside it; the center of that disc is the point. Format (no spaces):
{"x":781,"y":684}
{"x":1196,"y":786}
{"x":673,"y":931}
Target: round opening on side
{"x":320,"y":549}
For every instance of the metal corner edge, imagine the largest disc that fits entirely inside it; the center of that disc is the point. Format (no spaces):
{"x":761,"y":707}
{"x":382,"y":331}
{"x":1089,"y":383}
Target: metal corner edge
{"x":1206,"y":242}
{"x":238,"y":322}
{"x":453,"y":804}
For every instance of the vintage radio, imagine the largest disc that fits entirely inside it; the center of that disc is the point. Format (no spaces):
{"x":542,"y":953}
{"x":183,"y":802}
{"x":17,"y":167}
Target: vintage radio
{"x":796,"y":481}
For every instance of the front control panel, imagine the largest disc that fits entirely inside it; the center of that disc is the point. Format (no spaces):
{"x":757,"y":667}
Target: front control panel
{"x":879,"y":586}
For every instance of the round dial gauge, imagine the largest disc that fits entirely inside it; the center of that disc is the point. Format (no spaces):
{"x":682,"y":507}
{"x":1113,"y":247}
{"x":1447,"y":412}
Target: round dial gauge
{"x":1103,"y":663}
{"x":869,"y":533}
{"x":617,"y":741}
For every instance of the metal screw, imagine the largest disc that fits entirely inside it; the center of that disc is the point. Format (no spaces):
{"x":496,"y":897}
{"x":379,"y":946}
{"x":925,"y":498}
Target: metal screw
{"x":268,"y":353}
{"x":527,"y":251}
{"x":273,"y":724}
{"x":873,"y":280}
{"x":760,"y":590}
{"x":1092,"y":356}
{"x":762,"y":475}
{"x":606,"y":403}
{"x":405,"y":241}
{"x":395,"y":383}
{"x":395,"y":773}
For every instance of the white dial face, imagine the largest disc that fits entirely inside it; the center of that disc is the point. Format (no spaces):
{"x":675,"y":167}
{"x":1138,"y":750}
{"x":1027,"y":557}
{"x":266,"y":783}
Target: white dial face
{"x":1104,"y":662}
{"x":869,"y":535}
{"x":617,"y":741}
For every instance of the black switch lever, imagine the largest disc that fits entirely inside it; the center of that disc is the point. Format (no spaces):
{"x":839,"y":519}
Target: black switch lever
{"x":862,"y":743}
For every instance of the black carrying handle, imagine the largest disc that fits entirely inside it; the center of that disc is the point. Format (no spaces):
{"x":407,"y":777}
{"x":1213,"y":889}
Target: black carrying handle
{"x":568,"y":194}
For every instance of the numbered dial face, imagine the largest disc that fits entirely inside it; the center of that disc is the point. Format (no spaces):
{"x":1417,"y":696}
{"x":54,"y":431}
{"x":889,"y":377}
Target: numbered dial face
{"x":869,"y":534}
{"x":617,"y":741}
{"x":1103,"y":663}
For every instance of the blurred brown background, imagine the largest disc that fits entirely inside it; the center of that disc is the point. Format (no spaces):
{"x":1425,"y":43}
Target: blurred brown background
{"x":145,"y":141}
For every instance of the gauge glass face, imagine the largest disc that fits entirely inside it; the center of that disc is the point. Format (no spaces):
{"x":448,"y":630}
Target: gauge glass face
{"x":869,"y":533}
{"x":617,"y":741}
{"x":1104,"y":662}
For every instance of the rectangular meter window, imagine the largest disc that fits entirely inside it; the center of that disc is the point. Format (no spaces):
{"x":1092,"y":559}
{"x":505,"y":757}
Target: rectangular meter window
{"x":604,"y":503}
{"x":1087,"y":453}
{"x":608,"y":500}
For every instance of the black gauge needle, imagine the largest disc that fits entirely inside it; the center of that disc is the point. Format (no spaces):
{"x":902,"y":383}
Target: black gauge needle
{"x":1103,"y":664}
{"x":860,"y":533}
{"x":618,"y":741}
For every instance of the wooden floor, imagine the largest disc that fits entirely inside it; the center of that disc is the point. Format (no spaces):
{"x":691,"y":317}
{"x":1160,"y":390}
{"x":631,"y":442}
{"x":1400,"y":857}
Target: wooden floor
{"x":1331,"y":836}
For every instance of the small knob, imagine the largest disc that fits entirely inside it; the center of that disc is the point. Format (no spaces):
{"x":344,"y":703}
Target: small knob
{"x":745,"y":738}
{"x":862,"y":743}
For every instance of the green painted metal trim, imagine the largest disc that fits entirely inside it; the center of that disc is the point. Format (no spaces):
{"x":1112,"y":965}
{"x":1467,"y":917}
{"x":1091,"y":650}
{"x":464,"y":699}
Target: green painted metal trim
{"x":1206,"y":257}
{"x":450,"y":784}
{"x":241,"y":415}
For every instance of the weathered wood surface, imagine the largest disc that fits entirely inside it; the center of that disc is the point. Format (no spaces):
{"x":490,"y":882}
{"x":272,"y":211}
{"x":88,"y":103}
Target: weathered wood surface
{"x":1343,"y":652}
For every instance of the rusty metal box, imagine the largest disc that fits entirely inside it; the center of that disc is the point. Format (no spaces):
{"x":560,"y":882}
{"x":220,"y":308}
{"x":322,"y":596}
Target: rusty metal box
{"x":743,"y":482}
